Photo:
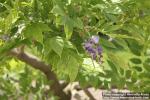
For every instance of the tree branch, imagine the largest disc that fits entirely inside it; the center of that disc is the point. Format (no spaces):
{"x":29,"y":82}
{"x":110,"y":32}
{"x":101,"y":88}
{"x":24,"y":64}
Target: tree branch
{"x":87,"y":92}
{"x":40,"y":65}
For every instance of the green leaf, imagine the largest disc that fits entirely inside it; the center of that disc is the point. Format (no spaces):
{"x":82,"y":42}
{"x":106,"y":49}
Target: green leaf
{"x":57,"y":44}
{"x":134,"y":77}
{"x":1,"y":25}
{"x":68,"y":24}
{"x":122,"y":36}
{"x":34,"y":31}
{"x":120,"y":43}
{"x":68,"y":27}
{"x":78,"y":23}
{"x":138,"y":68}
{"x":113,"y":10}
{"x":99,"y":6}
{"x":120,"y":59}
{"x":68,"y":44}
{"x":135,"y":32}
{"x":128,"y":74}
{"x":57,"y":10}
{"x":136,"y":60}
{"x":146,"y":64}
{"x":11,"y":19}
{"x":107,"y":43}
{"x":60,"y":20}
{"x":112,"y":28}
{"x":68,"y":64}
{"x":113,"y":67}
{"x":72,"y":67}
{"x":135,"y":47}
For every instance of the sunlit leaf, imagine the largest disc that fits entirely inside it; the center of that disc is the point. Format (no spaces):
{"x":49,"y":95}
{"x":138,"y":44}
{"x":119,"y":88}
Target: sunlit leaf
{"x":34,"y":31}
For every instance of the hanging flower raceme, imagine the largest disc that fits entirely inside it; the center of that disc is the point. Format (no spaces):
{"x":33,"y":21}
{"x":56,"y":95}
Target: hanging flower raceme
{"x":93,"y":48}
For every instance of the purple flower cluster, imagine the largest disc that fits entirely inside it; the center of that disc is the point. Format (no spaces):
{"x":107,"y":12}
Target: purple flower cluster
{"x":93,"y":49}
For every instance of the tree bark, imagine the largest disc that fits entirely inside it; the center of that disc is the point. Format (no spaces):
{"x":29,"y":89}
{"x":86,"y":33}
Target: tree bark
{"x":46,"y":69}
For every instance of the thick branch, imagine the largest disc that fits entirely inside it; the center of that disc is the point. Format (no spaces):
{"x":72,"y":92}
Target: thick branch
{"x":40,"y":65}
{"x":33,"y":61}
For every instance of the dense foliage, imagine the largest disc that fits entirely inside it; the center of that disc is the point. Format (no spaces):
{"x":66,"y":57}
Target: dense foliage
{"x":56,"y":32}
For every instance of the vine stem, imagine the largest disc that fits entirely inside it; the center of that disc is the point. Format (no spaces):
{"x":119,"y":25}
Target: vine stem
{"x":93,"y":63}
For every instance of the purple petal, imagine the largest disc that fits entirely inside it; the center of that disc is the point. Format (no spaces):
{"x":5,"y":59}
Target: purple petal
{"x":99,"y":50}
{"x":93,"y":55}
{"x":91,"y":50}
{"x":95,"y":39}
{"x":87,"y":45}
